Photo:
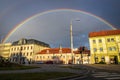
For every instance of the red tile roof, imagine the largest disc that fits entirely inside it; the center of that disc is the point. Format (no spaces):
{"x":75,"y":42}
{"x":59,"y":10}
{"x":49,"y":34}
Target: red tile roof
{"x":55,"y":50}
{"x":64,"y":50}
{"x":104,"y":33}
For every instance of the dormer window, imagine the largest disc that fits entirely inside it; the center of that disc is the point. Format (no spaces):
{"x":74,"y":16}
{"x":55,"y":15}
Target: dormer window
{"x":47,"y":51}
{"x":22,"y":41}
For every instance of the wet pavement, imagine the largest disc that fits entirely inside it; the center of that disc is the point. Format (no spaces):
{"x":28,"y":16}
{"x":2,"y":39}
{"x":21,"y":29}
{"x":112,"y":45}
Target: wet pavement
{"x":85,"y":72}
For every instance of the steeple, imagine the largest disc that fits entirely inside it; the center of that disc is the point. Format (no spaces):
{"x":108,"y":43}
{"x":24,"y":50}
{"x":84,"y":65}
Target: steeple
{"x":60,"y":49}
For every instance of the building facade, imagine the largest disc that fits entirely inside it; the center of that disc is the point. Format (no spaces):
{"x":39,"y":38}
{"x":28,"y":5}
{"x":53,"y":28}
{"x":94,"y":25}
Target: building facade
{"x":24,"y":50}
{"x":5,"y":50}
{"x":84,"y":55}
{"x":105,"y":46}
{"x":61,"y":55}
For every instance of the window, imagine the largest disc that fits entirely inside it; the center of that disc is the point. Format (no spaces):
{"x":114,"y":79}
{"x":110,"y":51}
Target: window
{"x":43,"y":57}
{"x":28,"y":48}
{"x":30,"y":53}
{"x":103,"y":59}
{"x":114,"y":48}
{"x":95,"y":49}
{"x":63,"y":56}
{"x":18,"y":48}
{"x":100,"y":41}
{"x":112,"y":40}
{"x":31,"y":47}
{"x":14,"y":49}
{"x":13,"y":54}
{"x":94,"y":41}
{"x":24,"y":54}
{"x":109,"y":48}
{"x":21,"y":48}
{"x":27,"y":54}
{"x":108,"y":40}
{"x":40,"y":57}
{"x":101,"y":49}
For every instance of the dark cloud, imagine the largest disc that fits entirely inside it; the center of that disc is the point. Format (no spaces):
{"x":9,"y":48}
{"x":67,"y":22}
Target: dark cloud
{"x":54,"y":29}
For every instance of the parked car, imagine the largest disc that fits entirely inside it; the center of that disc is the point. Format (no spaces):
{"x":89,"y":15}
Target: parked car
{"x":39,"y":62}
{"x":49,"y":62}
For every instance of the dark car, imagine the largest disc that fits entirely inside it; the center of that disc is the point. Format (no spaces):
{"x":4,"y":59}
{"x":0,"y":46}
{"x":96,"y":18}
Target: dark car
{"x":49,"y":62}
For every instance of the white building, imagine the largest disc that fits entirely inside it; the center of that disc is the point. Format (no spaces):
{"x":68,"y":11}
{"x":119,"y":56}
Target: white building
{"x":63,"y":56}
{"x":24,"y":50}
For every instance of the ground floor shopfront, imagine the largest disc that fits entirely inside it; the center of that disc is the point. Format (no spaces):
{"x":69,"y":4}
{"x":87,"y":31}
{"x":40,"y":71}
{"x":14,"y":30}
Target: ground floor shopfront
{"x":105,"y":58}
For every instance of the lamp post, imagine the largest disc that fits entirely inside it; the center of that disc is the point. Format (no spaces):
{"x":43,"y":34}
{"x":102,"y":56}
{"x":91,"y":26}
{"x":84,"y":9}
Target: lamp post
{"x":118,"y":58}
{"x":95,"y":57}
{"x":71,"y":40}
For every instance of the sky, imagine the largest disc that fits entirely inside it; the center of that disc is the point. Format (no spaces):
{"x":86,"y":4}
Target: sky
{"x":49,"y":20}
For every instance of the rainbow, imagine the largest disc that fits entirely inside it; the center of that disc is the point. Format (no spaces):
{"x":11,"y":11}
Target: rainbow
{"x":51,"y":11}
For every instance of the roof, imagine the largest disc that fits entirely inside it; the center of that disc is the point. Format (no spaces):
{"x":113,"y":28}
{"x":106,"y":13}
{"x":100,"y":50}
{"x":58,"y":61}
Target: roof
{"x":84,"y":52}
{"x":63,"y":50}
{"x":104,"y":33}
{"x":30,"y":41}
{"x":55,"y":50}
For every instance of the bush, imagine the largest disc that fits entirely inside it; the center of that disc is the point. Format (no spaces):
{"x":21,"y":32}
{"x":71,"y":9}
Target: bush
{"x":5,"y":63}
{"x":101,"y":62}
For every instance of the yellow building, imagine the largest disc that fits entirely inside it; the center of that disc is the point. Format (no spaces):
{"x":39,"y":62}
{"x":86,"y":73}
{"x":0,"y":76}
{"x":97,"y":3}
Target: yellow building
{"x":61,"y":55}
{"x":5,"y":50}
{"x":105,"y":46}
{"x":24,"y":50}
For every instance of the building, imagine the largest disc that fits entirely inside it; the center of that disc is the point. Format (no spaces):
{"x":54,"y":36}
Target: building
{"x":84,"y":55}
{"x":24,"y":50}
{"x":105,"y":46}
{"x":59,"y":55}
{"x":5,"y":50}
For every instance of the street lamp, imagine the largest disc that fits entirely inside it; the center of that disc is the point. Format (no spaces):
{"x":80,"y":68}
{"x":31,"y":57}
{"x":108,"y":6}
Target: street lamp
{"x":95,"y":57}
{"x":71,"y":40}
{"x":118,"y":51}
